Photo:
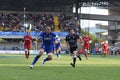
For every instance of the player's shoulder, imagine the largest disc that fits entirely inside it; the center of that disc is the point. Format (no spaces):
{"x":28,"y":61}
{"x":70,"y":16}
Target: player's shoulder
{"x":30,"y":36}
{"x":68,"y":35}
{"x":52,"y":33}
{"x":75,"y":34}
{"x":42,"y":32}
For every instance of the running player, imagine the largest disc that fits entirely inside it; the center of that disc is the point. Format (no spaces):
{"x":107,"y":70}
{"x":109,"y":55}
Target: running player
{"x":104,"y":48}
{"x":57,"y":47}
{"x":27,"y":44}
{"x":48,"y":38}
{"x":86,"y":45}
{"x":71,"y":42}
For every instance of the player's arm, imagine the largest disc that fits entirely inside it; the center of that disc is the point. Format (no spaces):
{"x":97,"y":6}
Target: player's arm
{"x":55,"y":42}
{"x":80,"y":39}
{"x":90,"y":41}
{"x":67,"y":44}
{"x":23,"y":40}
{"x":31,"y":41}
{"x":39,"y":38}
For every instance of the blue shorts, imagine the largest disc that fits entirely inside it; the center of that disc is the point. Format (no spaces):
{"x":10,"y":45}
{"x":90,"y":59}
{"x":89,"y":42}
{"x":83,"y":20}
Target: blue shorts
{"x":48,"y":48}
{"x":57,"y":47}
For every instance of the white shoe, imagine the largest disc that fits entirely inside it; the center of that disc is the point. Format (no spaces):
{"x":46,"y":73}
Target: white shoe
{"x":31,"y":66}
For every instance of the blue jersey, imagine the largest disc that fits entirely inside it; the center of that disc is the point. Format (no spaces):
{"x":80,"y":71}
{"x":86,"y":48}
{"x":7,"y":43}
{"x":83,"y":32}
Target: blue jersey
{"x":48,"y":41}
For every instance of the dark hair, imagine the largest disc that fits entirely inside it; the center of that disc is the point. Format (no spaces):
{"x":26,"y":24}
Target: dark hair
{"x":70,"y":29}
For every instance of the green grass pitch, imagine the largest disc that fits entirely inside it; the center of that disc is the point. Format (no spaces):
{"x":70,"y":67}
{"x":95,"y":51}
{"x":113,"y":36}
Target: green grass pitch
{"x":16,"y":67}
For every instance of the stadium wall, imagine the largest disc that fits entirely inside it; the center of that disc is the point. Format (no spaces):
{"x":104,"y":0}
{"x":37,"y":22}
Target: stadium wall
{"x":22,"y":52}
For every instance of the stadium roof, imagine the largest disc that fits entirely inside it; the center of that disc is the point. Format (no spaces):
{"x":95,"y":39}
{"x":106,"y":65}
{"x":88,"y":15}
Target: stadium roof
{"x":37,"y":5}
{"x":52,"y":5}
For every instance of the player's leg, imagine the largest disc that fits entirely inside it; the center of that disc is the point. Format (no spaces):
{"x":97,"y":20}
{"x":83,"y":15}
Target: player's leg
{"x":58,"y":52}
{"x":86,"y":54}
{"x":48,"y":58}
{"x":74,"y":55}
{"x":49,"y":52}
{"x":26,"y":53}
{"x":105,"y":52}
{"x":37,"y":57}
{"x":101,"y":52}
{"x":79,"y":57}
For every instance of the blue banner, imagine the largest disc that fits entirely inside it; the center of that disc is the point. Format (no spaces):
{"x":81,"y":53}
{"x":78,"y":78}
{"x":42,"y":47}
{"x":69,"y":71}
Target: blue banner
{"x":31,"y":33}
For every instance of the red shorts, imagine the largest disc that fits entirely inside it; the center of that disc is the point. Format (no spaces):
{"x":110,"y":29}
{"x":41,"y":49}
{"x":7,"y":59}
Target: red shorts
{"x":27,"y":46}
{"x":87,"y":46}
{"x":104,"y":50}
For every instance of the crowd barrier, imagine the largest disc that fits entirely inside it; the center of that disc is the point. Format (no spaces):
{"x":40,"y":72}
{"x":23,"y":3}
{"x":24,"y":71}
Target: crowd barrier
{"x":18,"y":52}
{"x":22,"y":52}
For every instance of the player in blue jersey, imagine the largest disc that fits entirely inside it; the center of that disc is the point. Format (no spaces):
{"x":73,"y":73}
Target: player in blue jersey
{"x":48,"y":39}
{"x":57,"y":47}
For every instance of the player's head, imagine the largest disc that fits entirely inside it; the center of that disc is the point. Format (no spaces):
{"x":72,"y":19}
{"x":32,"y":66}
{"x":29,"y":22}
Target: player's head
{"x":57,"y":37}
{"x":86,"y":35}
{"x":71,"y":31}
{"x":105,"y":41}
{"x":48,"y":29}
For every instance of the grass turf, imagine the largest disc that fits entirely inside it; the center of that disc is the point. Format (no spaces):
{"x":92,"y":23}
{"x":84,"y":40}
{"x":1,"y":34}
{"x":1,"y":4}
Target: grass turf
{"x":16,"y":67}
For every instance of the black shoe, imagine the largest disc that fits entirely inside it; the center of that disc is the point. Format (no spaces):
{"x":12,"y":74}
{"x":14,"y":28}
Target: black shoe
{"x":73,"y":65}
{"x":80,"y":59}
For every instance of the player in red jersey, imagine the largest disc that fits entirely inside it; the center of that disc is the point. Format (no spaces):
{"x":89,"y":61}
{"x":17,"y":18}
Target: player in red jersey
{"x":86,"y":45}
{"x":104,"y":48}
{"x":27,"y":44}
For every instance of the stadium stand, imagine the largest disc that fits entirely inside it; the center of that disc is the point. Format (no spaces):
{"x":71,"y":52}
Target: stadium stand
{"x":14,"y":20}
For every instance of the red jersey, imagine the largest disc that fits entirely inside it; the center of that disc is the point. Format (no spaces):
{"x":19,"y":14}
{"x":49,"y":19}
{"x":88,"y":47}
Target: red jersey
{"x":104,"y":46}
{"x":86,"y":41}
{"x":27,"y":41}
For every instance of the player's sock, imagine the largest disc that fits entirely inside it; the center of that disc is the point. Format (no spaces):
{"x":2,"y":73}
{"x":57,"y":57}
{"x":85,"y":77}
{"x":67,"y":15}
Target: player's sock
{"x":86,"y":55}
{"x":35,"y":59}
{"x":73,"y":65}
{"x":79,"y":57}
{"x":46,"y":59}
{"x":28,"y":54}
{"x":57,"y":55}
{"x":74,"y":60}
